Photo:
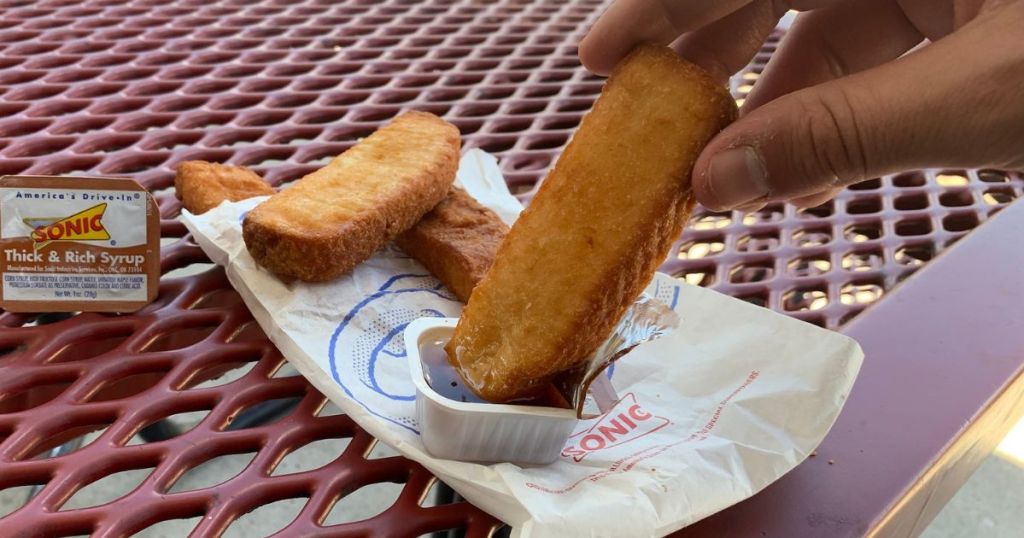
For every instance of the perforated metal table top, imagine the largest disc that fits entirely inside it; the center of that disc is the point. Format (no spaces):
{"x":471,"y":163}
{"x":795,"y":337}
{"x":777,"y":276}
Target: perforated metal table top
{"x":132,"y":87}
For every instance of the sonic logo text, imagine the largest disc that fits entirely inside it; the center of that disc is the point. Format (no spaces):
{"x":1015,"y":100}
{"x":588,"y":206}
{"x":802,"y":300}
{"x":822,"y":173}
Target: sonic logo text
{"x":627,"y":421}
{"x":86,"y":225}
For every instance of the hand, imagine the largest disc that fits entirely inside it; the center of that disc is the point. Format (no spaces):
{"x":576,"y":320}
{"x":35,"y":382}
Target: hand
{"x":840,"y":101}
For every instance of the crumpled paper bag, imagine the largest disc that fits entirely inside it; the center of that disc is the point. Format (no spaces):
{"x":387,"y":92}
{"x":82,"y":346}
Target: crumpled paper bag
{"x":709,"y":414}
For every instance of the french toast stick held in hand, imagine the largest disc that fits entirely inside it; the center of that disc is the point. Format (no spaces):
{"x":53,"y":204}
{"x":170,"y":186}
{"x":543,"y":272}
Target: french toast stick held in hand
{"x":598,"y":228}
{"x":336,"y":217}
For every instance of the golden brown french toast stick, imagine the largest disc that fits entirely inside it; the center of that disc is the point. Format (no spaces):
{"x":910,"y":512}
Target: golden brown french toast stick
{"x":202,"y":186}
{"x":336,"y":217}
{"x":456,"y":241}
{"x":598,"y":228}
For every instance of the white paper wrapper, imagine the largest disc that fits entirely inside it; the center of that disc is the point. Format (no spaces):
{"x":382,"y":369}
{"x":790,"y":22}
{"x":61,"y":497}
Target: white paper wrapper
{"x":709,"y":414}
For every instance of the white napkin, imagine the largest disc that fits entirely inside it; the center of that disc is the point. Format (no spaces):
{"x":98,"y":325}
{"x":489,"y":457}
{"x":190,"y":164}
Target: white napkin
{"x":709,"y":414}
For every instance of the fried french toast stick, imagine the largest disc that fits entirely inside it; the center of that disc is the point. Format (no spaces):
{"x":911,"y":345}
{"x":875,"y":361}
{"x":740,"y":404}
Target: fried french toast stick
{"x":456,"y":241}
{"x":592,"y":238}
{"x":336,"y":217}
{"x":202,"y":186}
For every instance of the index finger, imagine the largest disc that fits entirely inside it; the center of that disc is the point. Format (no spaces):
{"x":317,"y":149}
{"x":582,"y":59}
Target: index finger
{"x":628,"y":23}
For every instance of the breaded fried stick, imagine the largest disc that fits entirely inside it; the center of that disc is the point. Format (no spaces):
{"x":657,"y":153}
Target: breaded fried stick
{"x":337,"y":217}
{"x":596,"y":231}
{"x":456,"y":241}
{"x":202,"y":186}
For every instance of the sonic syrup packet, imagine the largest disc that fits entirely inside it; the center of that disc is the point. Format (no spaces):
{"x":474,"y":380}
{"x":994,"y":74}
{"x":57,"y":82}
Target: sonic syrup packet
{"x":72,"y":244}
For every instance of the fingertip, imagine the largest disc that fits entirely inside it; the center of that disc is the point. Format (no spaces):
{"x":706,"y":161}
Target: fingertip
{"x":594,"y":57}
{"x":816,"y":199}
{"x":702,"y":187}
{"x":752,"y":207}
{"x":623,"y":25}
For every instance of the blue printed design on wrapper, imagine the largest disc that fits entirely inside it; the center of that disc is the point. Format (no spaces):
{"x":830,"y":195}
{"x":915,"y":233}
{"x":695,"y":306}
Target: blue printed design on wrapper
{"x":667,"y":294}
{"x":367,"y":353}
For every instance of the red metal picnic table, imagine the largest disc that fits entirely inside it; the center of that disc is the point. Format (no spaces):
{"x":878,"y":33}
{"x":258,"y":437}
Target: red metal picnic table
{"x":132,"y":87}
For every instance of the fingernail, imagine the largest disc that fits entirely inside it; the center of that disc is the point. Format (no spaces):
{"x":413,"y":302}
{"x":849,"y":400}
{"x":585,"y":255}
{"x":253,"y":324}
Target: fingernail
{"x":737,"y":177}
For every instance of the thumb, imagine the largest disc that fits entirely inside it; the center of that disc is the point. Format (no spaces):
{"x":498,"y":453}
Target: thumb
{"x":948,"y":104}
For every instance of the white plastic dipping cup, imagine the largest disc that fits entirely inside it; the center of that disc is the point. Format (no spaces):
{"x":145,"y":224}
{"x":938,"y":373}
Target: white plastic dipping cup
{"x":455,"y":424}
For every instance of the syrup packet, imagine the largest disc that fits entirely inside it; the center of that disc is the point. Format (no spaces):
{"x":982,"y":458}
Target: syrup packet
{"x":70,"y":244}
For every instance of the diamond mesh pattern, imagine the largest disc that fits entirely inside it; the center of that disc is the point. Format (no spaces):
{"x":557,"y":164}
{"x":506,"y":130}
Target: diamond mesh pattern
{"x":134,"y":87}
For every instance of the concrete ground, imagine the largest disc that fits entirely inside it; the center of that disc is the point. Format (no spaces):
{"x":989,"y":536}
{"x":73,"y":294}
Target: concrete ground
{"x":990,"y":503}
